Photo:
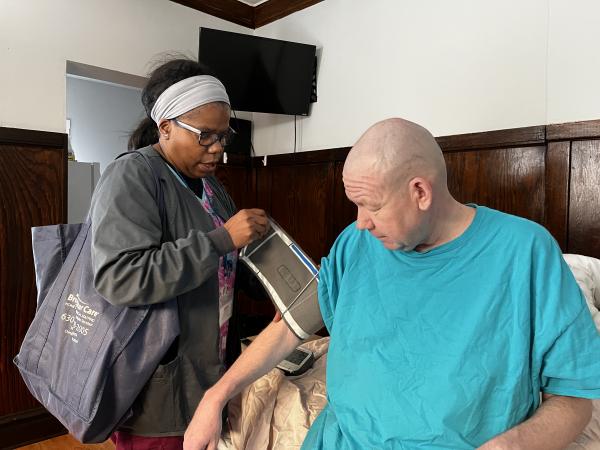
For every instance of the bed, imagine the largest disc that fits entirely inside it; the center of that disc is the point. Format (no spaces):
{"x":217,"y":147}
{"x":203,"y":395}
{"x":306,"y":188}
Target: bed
{"x":587,"y":273}
{"x":276,"y":411}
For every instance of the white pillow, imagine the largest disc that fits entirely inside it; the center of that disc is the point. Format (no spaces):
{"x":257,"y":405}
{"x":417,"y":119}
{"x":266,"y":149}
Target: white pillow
{"x":587,"y":273}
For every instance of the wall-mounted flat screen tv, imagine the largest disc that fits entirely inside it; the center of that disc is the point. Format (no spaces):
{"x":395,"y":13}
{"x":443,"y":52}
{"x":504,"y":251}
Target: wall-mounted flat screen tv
{"x":260,"y":74}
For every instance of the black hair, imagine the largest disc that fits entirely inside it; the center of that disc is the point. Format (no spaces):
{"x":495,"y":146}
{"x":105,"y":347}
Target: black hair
{"x":160,"y":79}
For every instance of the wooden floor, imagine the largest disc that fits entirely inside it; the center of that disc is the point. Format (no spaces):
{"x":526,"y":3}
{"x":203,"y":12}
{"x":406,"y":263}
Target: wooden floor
{"x":67,"y":442}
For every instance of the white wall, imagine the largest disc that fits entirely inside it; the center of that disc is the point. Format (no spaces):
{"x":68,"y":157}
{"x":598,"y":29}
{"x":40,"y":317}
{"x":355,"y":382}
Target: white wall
{"x":37,"y":37}
{"x":102,"y":116}
{"x":455,"y":67}
{"x":574,"y":61}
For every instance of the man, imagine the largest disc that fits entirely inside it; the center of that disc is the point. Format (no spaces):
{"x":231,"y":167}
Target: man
{"x":447,"y":321}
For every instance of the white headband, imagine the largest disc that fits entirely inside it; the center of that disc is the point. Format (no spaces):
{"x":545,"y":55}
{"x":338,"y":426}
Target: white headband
{"x":186,"y":95}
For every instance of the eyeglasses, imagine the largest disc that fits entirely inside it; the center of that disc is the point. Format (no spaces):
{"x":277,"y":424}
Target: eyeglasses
{"x":208,"y":138}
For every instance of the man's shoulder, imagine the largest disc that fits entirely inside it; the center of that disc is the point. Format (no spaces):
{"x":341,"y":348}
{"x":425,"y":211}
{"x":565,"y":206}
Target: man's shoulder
{"x":346,"y":243}
{"x":518,"y":228}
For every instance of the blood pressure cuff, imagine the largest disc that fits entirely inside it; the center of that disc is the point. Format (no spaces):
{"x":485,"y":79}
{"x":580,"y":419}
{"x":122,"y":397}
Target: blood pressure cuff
{"x":289,"y":277}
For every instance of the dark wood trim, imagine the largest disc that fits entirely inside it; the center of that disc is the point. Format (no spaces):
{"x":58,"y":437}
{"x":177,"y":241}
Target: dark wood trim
{"x":245,"y":15}
{"x":28,"y":427}
{"x":573,"y":130}
{"x":32,"y":137}
{"x":230,"y":10}
{"x":234,"y":159}
{"x":517,"y":137}
{"x":65,"y":205}
{"x":557,"y":191}
{"x":273,"y":10}
{"x":495,"y":139}
{"x":513,"y":137}
{"x":333,"y":154}
{"x":308,"y":157}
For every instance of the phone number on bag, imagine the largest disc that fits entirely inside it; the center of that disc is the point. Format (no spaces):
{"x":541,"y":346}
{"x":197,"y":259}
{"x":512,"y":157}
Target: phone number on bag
{"x":73,"y":325}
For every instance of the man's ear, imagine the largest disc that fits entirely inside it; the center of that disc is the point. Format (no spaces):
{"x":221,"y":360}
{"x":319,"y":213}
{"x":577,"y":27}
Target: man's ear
{"x":421,"y":192}
{"x":164,"y":128}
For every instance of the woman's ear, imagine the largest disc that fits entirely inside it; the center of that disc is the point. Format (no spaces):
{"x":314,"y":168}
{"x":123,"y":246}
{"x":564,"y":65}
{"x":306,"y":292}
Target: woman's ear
{"x":164,"y":128}
{"x":421,"y":192}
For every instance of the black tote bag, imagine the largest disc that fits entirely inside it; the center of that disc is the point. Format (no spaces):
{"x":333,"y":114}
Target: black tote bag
{"x":84,"y":359}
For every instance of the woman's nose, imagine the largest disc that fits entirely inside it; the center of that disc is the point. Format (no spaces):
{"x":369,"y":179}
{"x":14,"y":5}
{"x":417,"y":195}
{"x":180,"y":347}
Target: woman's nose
{"x":217,"y":147}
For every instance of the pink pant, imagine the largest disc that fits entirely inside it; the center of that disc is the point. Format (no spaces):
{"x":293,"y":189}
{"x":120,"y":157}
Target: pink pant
{"x":126,"y":441}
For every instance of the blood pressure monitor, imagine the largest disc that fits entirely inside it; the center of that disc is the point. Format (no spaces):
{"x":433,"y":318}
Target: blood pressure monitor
{"x":289,"y":277}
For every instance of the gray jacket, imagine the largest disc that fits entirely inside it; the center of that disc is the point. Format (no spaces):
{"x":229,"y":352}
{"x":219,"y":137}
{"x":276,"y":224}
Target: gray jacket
{"x":131,"y":267}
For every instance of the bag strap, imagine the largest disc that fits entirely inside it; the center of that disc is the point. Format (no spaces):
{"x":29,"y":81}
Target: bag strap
{"x":159,"y":195}
{"x":225,"y":201}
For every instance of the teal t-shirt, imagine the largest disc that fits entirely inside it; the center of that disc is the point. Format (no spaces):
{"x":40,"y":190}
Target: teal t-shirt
{"x":447,"y":348}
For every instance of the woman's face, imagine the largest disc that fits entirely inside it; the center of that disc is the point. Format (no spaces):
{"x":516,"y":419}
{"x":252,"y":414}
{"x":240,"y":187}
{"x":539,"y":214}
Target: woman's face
{"x":182,"y":148}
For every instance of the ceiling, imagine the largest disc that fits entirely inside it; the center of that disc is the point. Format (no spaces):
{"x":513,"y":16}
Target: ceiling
{"x":248,"y":13}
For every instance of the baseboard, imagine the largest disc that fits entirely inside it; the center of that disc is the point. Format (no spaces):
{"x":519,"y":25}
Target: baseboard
{"x":28,"y":427}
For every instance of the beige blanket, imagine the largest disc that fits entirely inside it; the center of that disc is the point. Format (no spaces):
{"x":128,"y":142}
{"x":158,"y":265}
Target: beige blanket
{"x":278,"y":410}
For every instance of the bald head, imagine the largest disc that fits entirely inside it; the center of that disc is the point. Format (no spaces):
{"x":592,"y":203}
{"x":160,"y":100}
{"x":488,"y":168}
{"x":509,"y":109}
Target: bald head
{"x":396,"y":176}
{"x":395,"y":151}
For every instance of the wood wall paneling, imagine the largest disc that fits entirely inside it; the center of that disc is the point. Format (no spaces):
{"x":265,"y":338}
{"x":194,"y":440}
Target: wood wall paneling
{"x":301,"y":194}
{"x":33,"y":192}
{"x":344,"y":211}
{"x":263,"y":185}
{"x":282,"y":197}
{"x":517,"y":171}
{"x":238,"y":182}
{"x":252,"y":310}
{"x":313,"y":203}
{"x":584,"y":204}
{"x":509,"y":179}
{"x":556,"y":209}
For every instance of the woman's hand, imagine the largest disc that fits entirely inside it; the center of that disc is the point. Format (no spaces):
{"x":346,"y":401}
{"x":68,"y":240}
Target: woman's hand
{"x":247,"y":226}
{"x":204,"y":431}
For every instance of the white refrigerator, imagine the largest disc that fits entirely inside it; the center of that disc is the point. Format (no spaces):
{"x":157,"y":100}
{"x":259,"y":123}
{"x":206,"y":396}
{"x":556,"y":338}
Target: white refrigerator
{"x":82,"y":179}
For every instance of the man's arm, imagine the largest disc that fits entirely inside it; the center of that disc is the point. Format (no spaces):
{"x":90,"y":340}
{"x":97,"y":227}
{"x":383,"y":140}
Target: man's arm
{"x":269,"y":348}
{"x":553,"y":426}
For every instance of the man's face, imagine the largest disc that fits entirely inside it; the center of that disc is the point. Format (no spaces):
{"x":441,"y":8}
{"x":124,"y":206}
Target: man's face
{"x":389,"y":215}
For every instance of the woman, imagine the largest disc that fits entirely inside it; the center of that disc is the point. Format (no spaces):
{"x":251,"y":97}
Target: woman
{"x":187,"y":128}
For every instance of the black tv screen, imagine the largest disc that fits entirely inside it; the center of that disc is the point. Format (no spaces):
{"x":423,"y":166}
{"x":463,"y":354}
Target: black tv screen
{"x":260,"y":74}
